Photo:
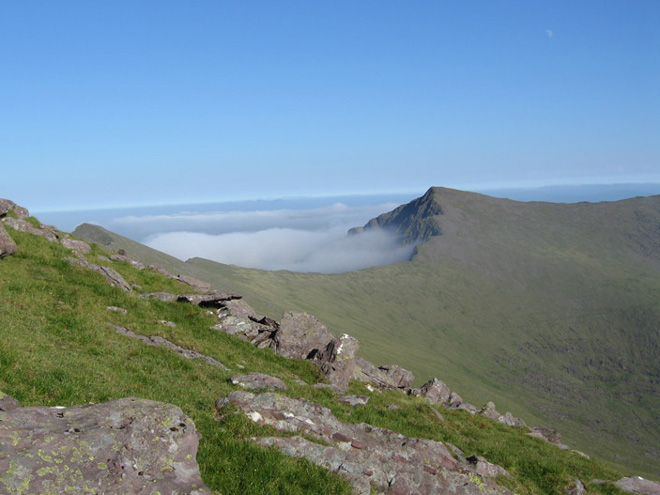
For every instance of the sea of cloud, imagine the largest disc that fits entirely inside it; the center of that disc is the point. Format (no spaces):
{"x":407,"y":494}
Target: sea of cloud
{"x":297,"y":239}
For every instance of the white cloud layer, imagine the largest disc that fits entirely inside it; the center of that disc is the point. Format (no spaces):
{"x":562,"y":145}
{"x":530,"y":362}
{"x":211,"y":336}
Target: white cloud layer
{"x":302,"y":239}
{"x":324,"y":251}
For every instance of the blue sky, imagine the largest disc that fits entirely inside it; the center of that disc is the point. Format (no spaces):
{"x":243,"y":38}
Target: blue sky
{"x":155,"y":102}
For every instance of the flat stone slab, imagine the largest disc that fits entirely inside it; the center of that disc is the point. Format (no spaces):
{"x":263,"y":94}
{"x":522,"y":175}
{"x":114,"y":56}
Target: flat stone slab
{"x":258,"y":381}
{"x":124,"y":446}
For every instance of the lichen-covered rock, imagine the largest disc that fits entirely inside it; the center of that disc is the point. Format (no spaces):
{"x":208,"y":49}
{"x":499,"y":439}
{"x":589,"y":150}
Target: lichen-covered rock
{"x":7,"y":403}
{"x":576,"y":488}
{"x":337,"y":360}
{"x":546,"y":434}
{"x":301,"y":336}
{"x":7,"y":244}
{"x":370,"y":458}
{"x":484,"y":468}
{"x":258,"y":381}
{"x":124,"y":446}
{"x":510,"y":420}
{"x":489,"y":410}
{"x":80,"y":247}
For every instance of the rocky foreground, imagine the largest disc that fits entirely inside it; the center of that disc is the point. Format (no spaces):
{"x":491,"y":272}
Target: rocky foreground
{"x":138,"y":446}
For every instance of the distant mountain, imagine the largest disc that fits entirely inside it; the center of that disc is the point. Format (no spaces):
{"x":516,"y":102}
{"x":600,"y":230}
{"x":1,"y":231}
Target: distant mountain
{"x":552,"y":310}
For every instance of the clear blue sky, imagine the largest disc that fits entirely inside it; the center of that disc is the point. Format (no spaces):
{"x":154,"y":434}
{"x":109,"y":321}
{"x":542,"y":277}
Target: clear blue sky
{"x":124,"y":103}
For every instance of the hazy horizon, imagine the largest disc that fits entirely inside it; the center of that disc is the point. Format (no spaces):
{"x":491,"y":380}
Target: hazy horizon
{"x":298,"y":234}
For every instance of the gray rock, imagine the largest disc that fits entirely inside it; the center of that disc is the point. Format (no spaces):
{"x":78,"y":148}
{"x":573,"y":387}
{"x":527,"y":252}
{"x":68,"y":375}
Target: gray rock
{"x":370,"y":458}
{"x":7,"y":244}
{"x":637,"y":484}
{"x":238,"y":308}
{"x":258,"y":381}
{"x":337,"y":360}
{"x":156,"y":340}
{"x":435,"y":391}
{"x":80,"y":247}
{"x":125,"y":446}
{"x":7,"y":403}
{"x":510,"y":420}
{"x":354,"y":400}
{"x":162,"y":296}
{"x":110,"y":275}
{"x":301,"y":336}
{"x":7,"y":205}
{"x":25,"y":226}
{"x":484,"y":468}
{"x":115,"y":309}
{"x":490,"y":411}
{"x":576,"y":488}
{"x":386,"y":376}
{"x":170,"y":324}
{"x":546,"y":434}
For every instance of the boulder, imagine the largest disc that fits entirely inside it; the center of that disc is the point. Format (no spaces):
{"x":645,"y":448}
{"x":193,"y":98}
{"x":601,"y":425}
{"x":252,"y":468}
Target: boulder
{"x":25,"y":226}
{"x":490,"y":411}
{"x":637,"y":484}
{"x":386,"y":376}
{"x":7,"y":205}
{"x":510,"y":420}
{"x":546,"y":434}
{"x":80,"y":247}
{"x":7,"y":403}
{"x":124,"y":446}
{"x":7,"y":244}
{"x":116,"y":309}
{"x":337,"y":360}
{"x":258,"y":381}
{"x":435,"y":391}
{"x":576,"y":488}
{"x":301,"y":336}
{"x":372,"y":459}
{"x":354,"y":400}
{"x":484,"y":468}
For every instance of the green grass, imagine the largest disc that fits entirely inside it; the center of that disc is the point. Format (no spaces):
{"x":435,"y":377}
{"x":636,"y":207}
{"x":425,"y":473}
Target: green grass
{"x":58,"y":350}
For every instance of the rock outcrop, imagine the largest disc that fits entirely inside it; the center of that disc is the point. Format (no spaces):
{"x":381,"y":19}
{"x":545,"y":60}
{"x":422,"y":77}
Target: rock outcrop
{"x":124,"y":446}
{"x":111,"y":276}
{"x":258,"y":381}
{"x":386,"y":376}
{"x":301,"y":336}
{"x":370,"y":458}
{"x":7,"y":244}
{"x":637,"y":484}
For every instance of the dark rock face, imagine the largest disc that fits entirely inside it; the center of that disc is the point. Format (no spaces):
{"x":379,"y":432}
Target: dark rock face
{"x":337,"y":360}
{"x":370,"y":458}
{"x":412,"y":222}
{"x":258,"y":381}
{"x":124,"y":446}
{"x":7,"y":244}
{"x":301,"y":336}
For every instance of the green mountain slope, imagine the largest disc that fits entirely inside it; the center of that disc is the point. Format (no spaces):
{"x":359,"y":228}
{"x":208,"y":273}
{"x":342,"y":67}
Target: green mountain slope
{"x":551,"y":310}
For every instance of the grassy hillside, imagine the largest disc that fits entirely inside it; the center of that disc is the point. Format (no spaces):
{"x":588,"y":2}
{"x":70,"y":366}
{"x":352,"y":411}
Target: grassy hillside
{"x":58,"y":350}
{"x":550,"y":310}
